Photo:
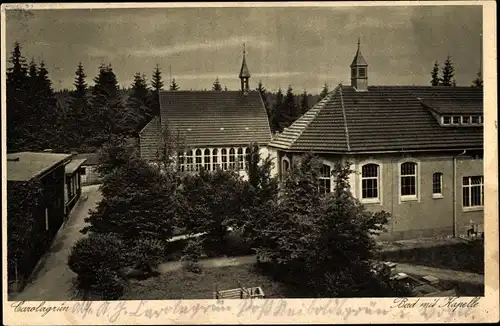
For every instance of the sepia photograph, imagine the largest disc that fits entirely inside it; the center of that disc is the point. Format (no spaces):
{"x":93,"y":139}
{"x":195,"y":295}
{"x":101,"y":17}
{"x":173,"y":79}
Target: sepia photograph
{"x":248,"y":154}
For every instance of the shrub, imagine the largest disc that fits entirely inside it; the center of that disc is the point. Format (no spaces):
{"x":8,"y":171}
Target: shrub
{"x":192,"y":266}
{"x":193,"y":250}
{"x":96,"y":259}
{"x":147,"y":254}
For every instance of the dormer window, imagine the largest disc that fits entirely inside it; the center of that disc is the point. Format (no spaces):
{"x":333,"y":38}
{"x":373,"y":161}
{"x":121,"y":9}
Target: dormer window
{"x":362,"y":72}
{"x":353,"y":72}
{"x":446,"y":120}
{"x":456,"y":120}
{"x":476,"y":119}
{"x":466,"y":120}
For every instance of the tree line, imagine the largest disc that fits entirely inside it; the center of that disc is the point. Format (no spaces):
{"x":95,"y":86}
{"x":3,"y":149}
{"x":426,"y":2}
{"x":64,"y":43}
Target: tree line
{"x":447,"y":77}
{"x":38,"y":118}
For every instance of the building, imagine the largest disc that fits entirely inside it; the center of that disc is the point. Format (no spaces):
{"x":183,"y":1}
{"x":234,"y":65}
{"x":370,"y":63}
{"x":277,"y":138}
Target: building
{"x":88,"y":169}
{"x":215,"y":128}
{"x":416,"y":151}
{"x":48,"y":213}
{"x":73,"y":184}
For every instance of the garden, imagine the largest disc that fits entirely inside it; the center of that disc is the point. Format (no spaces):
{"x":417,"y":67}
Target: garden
{"x":305,"y":244}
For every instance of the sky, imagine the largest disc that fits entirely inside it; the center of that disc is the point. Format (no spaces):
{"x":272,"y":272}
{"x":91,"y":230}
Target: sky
{"x":302,"y":47}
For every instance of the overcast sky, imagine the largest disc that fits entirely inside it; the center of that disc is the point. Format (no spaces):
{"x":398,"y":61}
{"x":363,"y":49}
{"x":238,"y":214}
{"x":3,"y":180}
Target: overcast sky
{"x":303,"y":47}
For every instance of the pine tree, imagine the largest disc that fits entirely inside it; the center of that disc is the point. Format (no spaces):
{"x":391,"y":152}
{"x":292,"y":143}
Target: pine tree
{"x":304,"y":102}
{"x":157,"y":82}
{"x":263,"y":95}
{"x":138,"y":100}
{"x":17,"y":108}
{"x":48,"y":116}
{"x":80,"y":83}
{"x":448,"y":72}
{"x":435,"y":74}
{"x":478,"y":82}
{"x":277,"y":117}
{"x":225,"y":88}
{"x":289,"y":108}
{"x":216,"y":86}
{"x":324,"y":92}
{"x":174,"y":86}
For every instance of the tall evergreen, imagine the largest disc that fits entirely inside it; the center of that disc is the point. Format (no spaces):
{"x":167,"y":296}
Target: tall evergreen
{"x":80,"y":84}
{"x":216,"y":86}
{"x":157,"y":82}
{"x":324,"y":92}
{"x":277,"y":116}
{"x":448,"y":72}
{"x":289,"y":108}
{"x":174,"y":86}
{"x":138,"y":100}
{"x":17,"y":109}
{"x":478,"y":82}
{"x":435,"y":74}
{"x":47,"y":113}
{"x":304,"y":102}
{"x":263,"y":94}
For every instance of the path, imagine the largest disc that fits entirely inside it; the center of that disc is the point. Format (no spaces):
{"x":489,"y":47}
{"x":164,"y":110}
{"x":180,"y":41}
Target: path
{"x":212,"y":262}
{"x":54,"y":278}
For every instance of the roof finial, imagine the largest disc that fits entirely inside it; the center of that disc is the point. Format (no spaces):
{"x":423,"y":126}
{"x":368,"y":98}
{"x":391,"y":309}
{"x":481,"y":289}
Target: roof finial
{"x":359,"y":43}
{"x":244,"y":49}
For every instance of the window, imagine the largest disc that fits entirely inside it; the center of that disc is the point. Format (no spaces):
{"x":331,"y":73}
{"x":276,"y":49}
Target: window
{"x":353,"y":72}
{"x":437,"y":185}
{"x":247,"y":156}
{"x":362,"y":72}
{"x":466,"y":119}
{"x":206,"y":164}
{"x":82,"y":171}
{"x":46,"y":219}
{"x":285,"y":165}
{"x":189,"y":161}
{"x":456,"y":120}
{"x":325,"y":181}
{"x":409,"y":179}
{"x":232,"y":158}
{"x":198,"y":160}
{"x":473,"y":191}
{"x":215,"y":163}
{"x":223,"y":153}
{"x":475,"y":119}
{"x":446,"y":120}
{"x":369,"y":181}
{"x":241,"y":159}
{"x":182,"y":161}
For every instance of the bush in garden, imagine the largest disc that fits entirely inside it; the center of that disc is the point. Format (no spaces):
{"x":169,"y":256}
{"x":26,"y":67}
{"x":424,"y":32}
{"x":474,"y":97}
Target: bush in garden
{"x":97,"y":259}
{"x":147,"y":254}
{"x":192,"y":254}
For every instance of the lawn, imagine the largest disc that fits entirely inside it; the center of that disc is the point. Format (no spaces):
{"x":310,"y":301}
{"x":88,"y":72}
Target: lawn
{"x":181,"y":284}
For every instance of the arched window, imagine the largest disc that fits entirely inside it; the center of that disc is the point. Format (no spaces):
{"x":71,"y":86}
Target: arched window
{"x":182,"y":161}
{"x":247,"y":157}
{"x":189,"y":160}
{"x":241,"y":159}
{"x":325,"y":179}
{"x":437,"y":184}
{"x":232,"y":158}
{"x":223,"y":154}
{"x":198,"y":160}
{"x":215,"y":163}
{"x":206,"y":162}
{"x":409,"y":179}
{"x":285,"y":165}
{"x":370,"y":181}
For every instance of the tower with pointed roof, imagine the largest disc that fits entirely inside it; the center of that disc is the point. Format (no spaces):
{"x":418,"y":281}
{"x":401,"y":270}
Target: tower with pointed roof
{"x":244,"y":74}
{"x":359,"y":71}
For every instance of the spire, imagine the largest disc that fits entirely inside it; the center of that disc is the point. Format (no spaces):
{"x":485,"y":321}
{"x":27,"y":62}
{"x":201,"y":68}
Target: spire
{"x":359,"y":70}
{"x":244,"y":73}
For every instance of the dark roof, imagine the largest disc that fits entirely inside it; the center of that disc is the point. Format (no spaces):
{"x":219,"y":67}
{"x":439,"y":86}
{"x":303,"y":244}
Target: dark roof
{"x":384,"y":118}
{"x":90,"y":158}
{"x":244,"y":72}
{"x":472,"y":106}
{"x":149,"y":139}
{"x":24,"y":166}
{"x":213,"y":118}
{"x":72,"y":166}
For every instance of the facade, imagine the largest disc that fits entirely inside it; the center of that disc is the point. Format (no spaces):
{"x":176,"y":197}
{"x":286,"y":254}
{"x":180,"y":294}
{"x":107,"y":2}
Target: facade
{"x":49,"y":169}
{"x":416,"y":151}
{"x":213,"y":129}
{"x":73,"y":184}
{"x":88,"y":169}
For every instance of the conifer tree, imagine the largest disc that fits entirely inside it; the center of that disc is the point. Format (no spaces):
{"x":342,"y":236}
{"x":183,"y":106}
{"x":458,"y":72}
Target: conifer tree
{"x":80,"y":83}
{"x":324,"y":92}
{"x":263,"y":94}
{"x":304,"y":102}
{"x":277,"y":118}
{"x":216,"y":86}
{"x":157,"y":82}
{"x":174,"y":86}
{"x":478,"y":82}
{"x":138,"y":100}
{"x":78,"y":121}
{"x":448,"y":72}
{"x":289,"y":108}
{"x":435,"y":74}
